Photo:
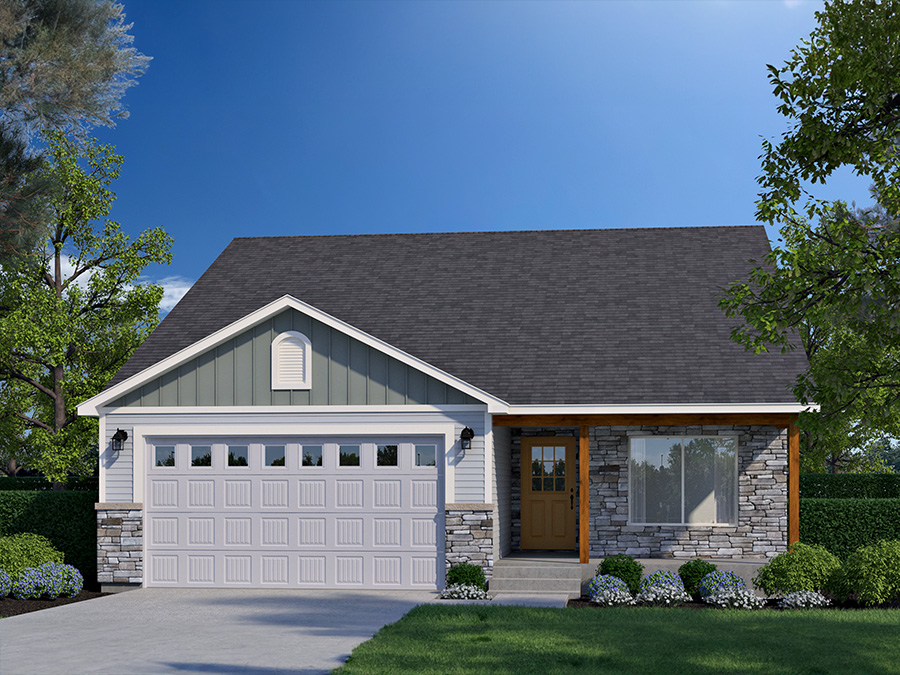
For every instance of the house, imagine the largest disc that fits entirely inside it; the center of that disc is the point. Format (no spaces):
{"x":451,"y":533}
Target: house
{"x":362,"y":411}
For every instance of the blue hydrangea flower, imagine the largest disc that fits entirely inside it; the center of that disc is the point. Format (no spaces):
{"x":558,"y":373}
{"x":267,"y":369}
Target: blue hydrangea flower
{"x":720,"y":582}
{"x":65,"y":579}
{"x":27,"y":585}
{"x":5,"y":584}
{"x":662,"y":579}
{"x":605,"y":589}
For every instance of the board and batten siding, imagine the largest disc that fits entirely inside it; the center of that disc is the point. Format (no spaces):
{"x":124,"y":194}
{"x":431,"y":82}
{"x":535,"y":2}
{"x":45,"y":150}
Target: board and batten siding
{"x":345,"y":371}
{"x":468,"y":469}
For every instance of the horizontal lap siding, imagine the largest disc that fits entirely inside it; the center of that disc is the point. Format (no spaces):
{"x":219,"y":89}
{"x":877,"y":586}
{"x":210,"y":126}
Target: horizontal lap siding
{"x":118,"y":467}
{"x":344,"y":372}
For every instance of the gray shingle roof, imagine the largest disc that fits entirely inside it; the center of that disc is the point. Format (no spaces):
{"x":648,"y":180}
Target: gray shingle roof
{"x":534,"y":317}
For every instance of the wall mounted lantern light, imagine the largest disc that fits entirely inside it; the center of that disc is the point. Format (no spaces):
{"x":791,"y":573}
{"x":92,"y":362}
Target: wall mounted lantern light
{"x":465,"y":438}
{"x":119,"y":439}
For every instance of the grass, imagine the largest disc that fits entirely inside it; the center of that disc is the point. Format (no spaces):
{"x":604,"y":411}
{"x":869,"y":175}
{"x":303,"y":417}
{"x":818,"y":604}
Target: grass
{"x":503,"y":640}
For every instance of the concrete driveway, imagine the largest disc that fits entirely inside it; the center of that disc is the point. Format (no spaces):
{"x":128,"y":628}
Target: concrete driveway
{"x":200,"y":631}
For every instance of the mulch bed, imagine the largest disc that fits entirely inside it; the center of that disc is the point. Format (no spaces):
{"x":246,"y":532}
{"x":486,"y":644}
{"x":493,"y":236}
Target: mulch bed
{"x":11,"y":607}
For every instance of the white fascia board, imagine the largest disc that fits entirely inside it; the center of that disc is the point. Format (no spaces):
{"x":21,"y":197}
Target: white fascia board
{"x":662,"y":409}
{"x":91,"y":407}
{"x":299,"y":411}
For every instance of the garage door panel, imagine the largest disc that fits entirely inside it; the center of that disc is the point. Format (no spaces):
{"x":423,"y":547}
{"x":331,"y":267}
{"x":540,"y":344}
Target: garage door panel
{"x":255,"y":526}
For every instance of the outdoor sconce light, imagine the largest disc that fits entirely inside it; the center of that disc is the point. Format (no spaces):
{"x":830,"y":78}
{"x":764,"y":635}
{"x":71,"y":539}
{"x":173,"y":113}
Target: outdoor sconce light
{"x":119,"y":439}
{"x":465,"y":438}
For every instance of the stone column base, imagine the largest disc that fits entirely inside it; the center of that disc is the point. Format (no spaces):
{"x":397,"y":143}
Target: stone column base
{"x":120,"y":545}
{"x":470,"y":535}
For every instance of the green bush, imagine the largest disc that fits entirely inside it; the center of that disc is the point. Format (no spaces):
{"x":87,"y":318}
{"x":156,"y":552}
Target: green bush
{"x":844,"y":525}
{"x":466,"y":574}
{"x":692,"y":572}
{"x":625,"y":568}
{"x":18,"y":552}
{"x":872,"y":574}
{"x":850,"y":485}
{"x":801,"y":568}
{"x":66,"y":517}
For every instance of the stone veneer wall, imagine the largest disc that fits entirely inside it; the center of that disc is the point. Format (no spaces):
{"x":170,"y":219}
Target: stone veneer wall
{"x":470,"y":535}
{"x":761,"y":530}
{"x":120,"y":550}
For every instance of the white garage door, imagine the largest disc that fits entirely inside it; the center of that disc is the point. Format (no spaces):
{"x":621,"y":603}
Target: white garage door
{"x":318,"y":513}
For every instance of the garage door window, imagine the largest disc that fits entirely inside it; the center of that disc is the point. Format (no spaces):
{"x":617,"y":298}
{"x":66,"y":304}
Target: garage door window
{"x":237,"y":455}
{"x":387,"y":455}
{"x":349,"y":455}
{"x":165,"y":455}
{"x":425,"y":455}
{"x":312,"y":455}
{"x":201,"y":455}
{"x":274,"y":455}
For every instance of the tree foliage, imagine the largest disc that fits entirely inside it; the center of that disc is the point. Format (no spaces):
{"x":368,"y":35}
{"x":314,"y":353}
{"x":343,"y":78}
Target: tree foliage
{"x":833,"y":286}
{"x":71,"y":316}
{"x":64,"y":65}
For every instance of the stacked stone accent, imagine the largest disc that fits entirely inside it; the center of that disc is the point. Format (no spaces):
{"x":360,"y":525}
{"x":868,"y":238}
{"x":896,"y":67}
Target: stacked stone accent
{"x":120,"y":550}
{"x":470,"y":535}
{"x":761,"y":530}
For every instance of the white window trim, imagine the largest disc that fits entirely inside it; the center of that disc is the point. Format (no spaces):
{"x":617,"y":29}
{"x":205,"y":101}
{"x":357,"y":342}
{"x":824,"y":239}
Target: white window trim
{"x":306,"y":382}
{"x":737,"y":479}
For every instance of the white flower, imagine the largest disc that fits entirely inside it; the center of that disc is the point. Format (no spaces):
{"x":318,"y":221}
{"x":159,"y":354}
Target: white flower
{"x":803,"y":600}
{"x":464,"y":592}
{"x":662,"y":595}
{"x":737,"y":598}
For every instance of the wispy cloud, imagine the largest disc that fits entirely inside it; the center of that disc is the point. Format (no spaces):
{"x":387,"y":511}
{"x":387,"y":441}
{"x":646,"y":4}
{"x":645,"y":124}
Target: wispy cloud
{"x":174,"y":288}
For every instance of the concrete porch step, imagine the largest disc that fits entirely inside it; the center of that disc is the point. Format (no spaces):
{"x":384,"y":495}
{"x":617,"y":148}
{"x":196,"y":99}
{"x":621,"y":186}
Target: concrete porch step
{"x":532,"y":585}
{"x":536,"y":571}
{"x":529,"y":575}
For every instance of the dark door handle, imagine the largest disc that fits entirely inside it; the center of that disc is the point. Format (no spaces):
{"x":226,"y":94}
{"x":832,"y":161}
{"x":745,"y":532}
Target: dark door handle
{"x":572,"y":500}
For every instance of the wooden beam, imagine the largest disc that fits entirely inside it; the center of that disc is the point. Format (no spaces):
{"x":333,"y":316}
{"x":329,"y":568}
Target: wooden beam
{"x":584,"y":505}
{"x":780,"y":420}
{"x":793,"y":483}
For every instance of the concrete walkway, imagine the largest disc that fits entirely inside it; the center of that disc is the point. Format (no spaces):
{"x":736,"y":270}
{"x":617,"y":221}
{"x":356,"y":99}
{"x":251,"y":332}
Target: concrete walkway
{"x":200,"y":631}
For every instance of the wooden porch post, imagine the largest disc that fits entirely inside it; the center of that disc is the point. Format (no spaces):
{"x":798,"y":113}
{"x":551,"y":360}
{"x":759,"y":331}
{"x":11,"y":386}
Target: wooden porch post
{"x":583,"y":499}
{"x":793,"y":483}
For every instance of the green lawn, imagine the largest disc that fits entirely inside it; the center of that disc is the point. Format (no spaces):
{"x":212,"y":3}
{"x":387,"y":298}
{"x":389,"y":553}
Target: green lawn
{"x":503,"y":640}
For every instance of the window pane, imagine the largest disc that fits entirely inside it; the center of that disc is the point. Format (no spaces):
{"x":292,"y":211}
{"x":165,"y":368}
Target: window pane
{"x":536,"y":454}
{"x":560,"y":468}
{"x":312,"y":455}
{"x":537,"y":468}
{"x":165,"y":455}
{"x":536,"y":484}
{"x":655,"y":480}
{"x":710,"y":469}
{"x":274,"y":455}
{"x":238,"y":455}
{"x":426,"y":455}
{"x":560,"y":484}
{"x":201,"y":455}
{"x":548,"y":485}
{"x":349,"y":455}
{"x":387,"y":455}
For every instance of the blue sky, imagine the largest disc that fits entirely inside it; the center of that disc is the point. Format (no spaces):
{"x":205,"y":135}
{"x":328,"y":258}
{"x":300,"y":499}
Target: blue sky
{"x":283,"y":117}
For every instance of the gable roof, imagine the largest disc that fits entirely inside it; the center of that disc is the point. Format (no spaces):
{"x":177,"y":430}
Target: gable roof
{"x":557,"y":317}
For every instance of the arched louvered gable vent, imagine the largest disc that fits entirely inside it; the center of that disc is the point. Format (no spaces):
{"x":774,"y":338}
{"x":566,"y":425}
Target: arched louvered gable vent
{"x":291,"y":361}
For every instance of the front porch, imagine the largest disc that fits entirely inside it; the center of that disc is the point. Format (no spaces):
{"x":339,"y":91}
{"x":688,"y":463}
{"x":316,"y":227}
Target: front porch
{"x":764,"y":517}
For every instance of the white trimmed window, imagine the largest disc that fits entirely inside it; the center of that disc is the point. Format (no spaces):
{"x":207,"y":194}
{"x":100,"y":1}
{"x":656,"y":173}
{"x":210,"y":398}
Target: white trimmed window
{"x":683,"y":480}
{"x":291,"y":357}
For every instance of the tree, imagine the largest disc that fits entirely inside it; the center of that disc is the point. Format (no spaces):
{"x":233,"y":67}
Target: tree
{"x":833,"y":286}
{"x":72,"y":315}
{"x":64,"y":65}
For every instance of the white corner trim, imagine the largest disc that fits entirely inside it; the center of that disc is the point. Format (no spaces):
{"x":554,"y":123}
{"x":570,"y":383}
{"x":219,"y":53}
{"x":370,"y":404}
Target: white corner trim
{"x":280,"y":380}
{"x":488,"y":459}
{"x":91,"y":407}
{"x":661,"y":409}
{"x":102,"y":449}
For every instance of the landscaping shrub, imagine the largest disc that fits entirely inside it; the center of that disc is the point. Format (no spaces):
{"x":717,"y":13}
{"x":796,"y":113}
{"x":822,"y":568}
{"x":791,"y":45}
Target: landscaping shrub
{"x":844,"y":525}
{"x":625,"y":568}
{"x":71,"y":581}
{"x":22,"y":551}
{"x":662,"y":587}
{"x":801,"y":568}
{"x":605,"y":589}
{"x":47,"y":581}
{"x":5,"y":584}
{"x":872,"y":574}
{"x":692,"y":572}
{"x":719,"y":582}
{"x":466,"y":574}
{"x":39,"y":483}
{"x":850,"y":485}
{"x":735,"y":598}
{"x":660,"y":579}
{"x":66,"y":517}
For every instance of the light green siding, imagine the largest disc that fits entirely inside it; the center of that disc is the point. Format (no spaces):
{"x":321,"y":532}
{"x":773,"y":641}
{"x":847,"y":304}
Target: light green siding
{"x":344,"y":372}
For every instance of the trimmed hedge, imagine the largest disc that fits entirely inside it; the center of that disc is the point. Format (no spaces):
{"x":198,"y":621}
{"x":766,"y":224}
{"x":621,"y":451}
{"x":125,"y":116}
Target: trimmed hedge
{"x":844,"y":525}
{"x":41,"y":483}
{"x":66,"y":517}
{"x":850,"y":485}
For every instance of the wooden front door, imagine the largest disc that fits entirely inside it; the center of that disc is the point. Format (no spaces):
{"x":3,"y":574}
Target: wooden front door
{"x":548,"y":493}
